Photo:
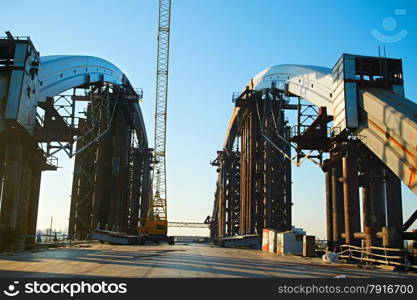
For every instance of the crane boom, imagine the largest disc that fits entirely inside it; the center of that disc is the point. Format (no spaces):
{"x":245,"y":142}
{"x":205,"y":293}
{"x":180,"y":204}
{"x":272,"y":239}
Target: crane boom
{"x":159,"y":201}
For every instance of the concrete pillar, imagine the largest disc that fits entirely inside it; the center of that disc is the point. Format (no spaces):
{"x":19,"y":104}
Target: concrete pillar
{"x":378,"y":214}
{"x":22,"y":212}
{"x":394,"y":210}
{"x":11,"y":194}
{"x":329,"y":209}
{"x":351,"y":198}
{"x":337,"y":204}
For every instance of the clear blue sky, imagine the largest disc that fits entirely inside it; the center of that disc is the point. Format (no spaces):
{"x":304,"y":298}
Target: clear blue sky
{"x":216,"y":46}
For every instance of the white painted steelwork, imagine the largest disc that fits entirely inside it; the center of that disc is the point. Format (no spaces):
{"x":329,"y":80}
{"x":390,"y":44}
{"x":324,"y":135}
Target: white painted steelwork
{"x":59,"y":73}
{"x":388,"y":126}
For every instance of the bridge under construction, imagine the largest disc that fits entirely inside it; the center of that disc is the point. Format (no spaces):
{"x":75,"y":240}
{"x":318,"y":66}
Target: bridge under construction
{"x":353,"y":121}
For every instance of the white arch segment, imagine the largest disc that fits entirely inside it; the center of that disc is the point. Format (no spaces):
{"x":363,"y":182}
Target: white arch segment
{"x":58,"y":73}
{"x":312,"y":83}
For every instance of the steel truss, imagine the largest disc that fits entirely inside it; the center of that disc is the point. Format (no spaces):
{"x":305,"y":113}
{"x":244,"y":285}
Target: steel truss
{"x":111,"y":165}
{"x":262,"y":193}
{"x":159,"y":203}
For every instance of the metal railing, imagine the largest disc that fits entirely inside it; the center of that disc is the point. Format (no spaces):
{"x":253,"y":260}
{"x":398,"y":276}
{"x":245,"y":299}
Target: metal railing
{"x":379,"y":255}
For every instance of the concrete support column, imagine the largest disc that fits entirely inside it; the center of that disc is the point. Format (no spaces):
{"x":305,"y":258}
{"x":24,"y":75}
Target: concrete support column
{"x":337,"y":204}
{"x":394,"y":210}
{"x":329,"y":209}
{"x":351,"y":198}
{"x":24,"y":200}
{"x":378,"y":213}
{"x":11,"y":193}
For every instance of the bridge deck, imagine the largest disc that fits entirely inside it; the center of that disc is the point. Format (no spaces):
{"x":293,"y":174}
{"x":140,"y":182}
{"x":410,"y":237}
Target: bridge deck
{"x":181,"y":260}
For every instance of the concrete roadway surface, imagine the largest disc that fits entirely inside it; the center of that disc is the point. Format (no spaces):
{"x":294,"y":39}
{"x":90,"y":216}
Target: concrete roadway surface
{"x":181,"y":260}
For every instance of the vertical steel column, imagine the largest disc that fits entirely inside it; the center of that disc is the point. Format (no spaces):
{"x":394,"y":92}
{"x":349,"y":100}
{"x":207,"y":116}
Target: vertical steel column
{"x":394,"y":210}
{"x":120,"y":172}
{"x":222,"y":202}
{"x":137,"y":168}
{"x":288,"y":184}
{"x":267,"y":188}
{"x":82,"y":196}
{"x":337,"y":204}
{"x":351,"y":198}
{"x":235,"y":190}
{"x":251,"y":204}
{"x":102,"y":194}
{"x":228,"y":195}
{"x":329,"y":208}
{"x":146,"y":191}
{"x":124,"y":172}
{"x":11,"y":193}
{"x":117,"y":185}
{"x":243,"y":178}
{"x":100,"y":205}
{"x":215,"y":213}
{"x":75,"y":189}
